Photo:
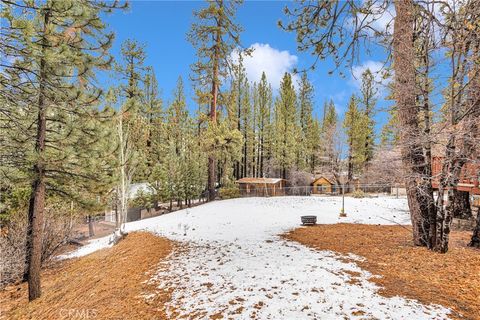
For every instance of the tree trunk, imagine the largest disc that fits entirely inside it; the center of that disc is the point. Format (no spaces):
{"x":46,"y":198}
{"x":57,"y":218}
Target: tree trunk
{"x":34,"y":233}
{"x":260,"y":158}
{"x":117,"y":217}
{"x":475,"y":241}
{"x":460,"y":205}
{"x":37,"y":197}
{"x":91,"y":229}
{"x":123,"y":138}
{"x":418,"y":183}
{"x":449,"y":178}
{"x":426,"y":110}
{"x":213,"y":114}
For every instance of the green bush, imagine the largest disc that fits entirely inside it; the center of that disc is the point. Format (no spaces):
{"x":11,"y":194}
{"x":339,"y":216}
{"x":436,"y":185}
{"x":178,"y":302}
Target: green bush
{"x":358,"y":193}
{"x":229,"y":193}
{"x":142,"y":200}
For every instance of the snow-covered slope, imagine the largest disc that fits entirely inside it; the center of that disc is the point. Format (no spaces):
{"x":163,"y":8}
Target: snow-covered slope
{"x":234,"y":263}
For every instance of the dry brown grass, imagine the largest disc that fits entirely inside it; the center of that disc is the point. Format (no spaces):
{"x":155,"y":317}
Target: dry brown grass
{"x":104,"y":285}
{"x":451,"y":279}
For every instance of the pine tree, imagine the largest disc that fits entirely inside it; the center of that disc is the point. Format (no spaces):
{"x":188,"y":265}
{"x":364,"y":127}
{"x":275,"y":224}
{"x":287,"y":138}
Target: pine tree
{"x":177,"y":131}
{"x":151,"y":106}
{"x":329,"y":127}
{"x":242,"y":113}
{"x":330,"y":141}
{"x":131,"y":101}
{"x":330,"y":116}
{"x":178,"y":170}
{"x":310,"y":135}
{"x":286,"y":126}
{"x":58,"y":46}
{"x":236,"y":110}
{"x":132,"y":71}
{"x":133,"y":121}
{"x":226,"y":145}
{"x":314,"y":143}
{"x":368,"y":100}
{"x":264,"y":125}
{"x":355,"y":123}
{"x":214,"y":35}
{"x":195,"y":162}
{"x":390,"y":134}
{"x":247,"y":130}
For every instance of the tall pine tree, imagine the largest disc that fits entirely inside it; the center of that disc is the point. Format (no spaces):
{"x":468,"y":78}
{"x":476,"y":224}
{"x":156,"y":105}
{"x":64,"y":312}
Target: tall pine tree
{"x":214,"y":35}
{"x":368,"y":99}
{"x":286,"y":126}
{"x":355,"y":123}
{"x":309,"y":134}
{"x":264,"y":124}
{"x":58,"y":46}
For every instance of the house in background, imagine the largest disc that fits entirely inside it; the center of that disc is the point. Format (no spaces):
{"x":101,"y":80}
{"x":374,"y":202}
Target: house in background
{"x":469,"y":181}
{"x":134,"y":213}
{"x":323,"y":185}
{"x":261,"y":187}
{"x":136,"y":190}
{"x":469,"y":176}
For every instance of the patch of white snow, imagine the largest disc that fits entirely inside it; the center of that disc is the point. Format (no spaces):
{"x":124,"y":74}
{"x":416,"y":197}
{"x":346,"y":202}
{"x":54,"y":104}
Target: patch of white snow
{"x":232,"y":257}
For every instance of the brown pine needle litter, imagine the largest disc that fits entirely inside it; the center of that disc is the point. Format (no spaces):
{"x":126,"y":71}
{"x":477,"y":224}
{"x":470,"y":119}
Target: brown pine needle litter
{"x":107,"y":284}
{"x":451,"y":279}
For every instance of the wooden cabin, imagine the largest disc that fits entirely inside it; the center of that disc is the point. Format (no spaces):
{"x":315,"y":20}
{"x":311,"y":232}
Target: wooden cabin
{"x":469,"y":176}
{"x":262,"y":187}
{"x":323,"y":185}
{"x":470,"y":172}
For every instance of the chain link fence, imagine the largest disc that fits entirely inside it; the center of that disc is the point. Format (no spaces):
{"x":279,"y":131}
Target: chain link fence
{"x":367,"y":190}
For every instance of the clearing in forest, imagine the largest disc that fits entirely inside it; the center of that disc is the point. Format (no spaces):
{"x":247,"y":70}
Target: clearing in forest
{"x":232,"y":262}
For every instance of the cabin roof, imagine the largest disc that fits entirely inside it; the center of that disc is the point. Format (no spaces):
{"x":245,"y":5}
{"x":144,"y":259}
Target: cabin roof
{"x":260,"y":180}
{"x":137,"y":189}
{"x":323,"y":177}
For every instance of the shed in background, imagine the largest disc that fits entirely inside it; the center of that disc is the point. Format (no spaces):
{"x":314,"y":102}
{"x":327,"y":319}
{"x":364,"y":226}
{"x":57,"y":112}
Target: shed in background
{"x":262,"y":187}
{"x":323,"y":185}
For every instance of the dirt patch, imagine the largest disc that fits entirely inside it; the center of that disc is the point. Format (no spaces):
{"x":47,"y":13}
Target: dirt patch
{"x":107,"y":284}
{"x":450,"y":279}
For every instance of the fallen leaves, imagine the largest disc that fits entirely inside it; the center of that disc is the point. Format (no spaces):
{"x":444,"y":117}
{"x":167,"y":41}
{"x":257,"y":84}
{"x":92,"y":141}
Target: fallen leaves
{"x":451,"y":279}
{"x":108,"y":284}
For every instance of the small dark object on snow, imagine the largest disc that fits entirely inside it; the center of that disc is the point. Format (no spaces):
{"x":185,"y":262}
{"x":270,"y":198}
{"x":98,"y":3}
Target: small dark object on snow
{"x":309,"y":220}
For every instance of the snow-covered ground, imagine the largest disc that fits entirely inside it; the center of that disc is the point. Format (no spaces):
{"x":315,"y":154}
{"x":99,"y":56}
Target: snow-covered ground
{"x":234,"y":263}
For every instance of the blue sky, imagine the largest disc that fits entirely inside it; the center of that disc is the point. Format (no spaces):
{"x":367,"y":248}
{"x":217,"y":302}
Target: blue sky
{"x":162,"y":27}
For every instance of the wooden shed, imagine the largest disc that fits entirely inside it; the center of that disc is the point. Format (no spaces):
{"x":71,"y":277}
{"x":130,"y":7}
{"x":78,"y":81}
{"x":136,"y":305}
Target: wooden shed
{"x":323,"y":185}
{"x":261,"y":187}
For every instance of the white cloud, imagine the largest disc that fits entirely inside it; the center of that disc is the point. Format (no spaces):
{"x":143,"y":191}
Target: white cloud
{"x":272,"y":61}
{"x":376,"y":67}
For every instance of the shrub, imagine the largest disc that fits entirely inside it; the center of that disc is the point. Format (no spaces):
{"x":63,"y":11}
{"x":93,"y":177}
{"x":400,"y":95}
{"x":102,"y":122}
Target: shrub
{"x":358,"y":193}
{"x":229,"y":193}
{"x":57,"y":231}
{"x":142,"y":200}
